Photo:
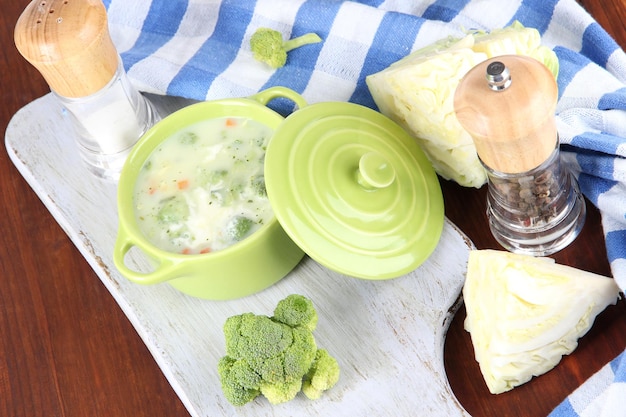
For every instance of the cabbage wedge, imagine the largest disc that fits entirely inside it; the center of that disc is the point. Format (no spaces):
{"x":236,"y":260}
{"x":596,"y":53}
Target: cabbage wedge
{"x":525,"y":313}
{"x":417,"y":92}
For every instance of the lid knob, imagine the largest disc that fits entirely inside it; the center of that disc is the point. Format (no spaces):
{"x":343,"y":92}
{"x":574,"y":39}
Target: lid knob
{"x":375,"y":172}
{"x":498,"y":76}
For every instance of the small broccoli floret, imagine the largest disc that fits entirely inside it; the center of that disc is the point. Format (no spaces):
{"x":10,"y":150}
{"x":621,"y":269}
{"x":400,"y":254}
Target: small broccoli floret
{"x":188,"y":138}
{"x":274,"y":355}
{"x":299,"y":356}
{"x":268,"y":46}
{"x":236,"y":381}
{"x":323,"y":375}
{"x":173,"y":210}
{"x":238,"y":228}
{"x":281,"y":392}
{"x":296,"y":310}
{"x":257,"y":184}
{"x":250,"y":336}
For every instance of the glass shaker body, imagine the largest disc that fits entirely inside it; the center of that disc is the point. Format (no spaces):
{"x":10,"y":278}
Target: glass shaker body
{"x":70,"y":44}
{"x":537,"y":212}
{"x":108,"y":123}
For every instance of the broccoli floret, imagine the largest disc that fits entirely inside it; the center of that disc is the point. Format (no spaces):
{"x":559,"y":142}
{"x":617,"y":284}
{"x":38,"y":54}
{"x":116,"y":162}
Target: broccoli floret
{"x":323,"y":375}
{"x":173,"y":210}
{"x":238,"y":382}
{"x":274,"y":355}
{"x":239,"y":227}
{"x":299,"y":356}
{"x":250,"y":336}
{"x":281,"y":392}
{"x":268,"y":45}
{"x":257,"y":183}
{"x":188,"y":138}
{"x":216,"y":176}
{"x":296,"y":310}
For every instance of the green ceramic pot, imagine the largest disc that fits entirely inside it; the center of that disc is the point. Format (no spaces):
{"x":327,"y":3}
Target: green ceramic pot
{"x":245,"y":268}
{"x":347,"y":185}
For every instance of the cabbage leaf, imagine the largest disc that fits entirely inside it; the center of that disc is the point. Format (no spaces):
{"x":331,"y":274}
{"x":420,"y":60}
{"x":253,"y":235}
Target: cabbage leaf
{"x":524,"y":313}
{"x":417,"y":92}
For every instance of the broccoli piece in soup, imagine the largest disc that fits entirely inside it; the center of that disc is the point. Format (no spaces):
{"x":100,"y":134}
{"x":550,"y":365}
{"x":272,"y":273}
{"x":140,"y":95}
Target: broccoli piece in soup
{"x":173,"y":210}
{"x":258,"y":185}
{"x":238,"y":227}
{"x":188,"y":138}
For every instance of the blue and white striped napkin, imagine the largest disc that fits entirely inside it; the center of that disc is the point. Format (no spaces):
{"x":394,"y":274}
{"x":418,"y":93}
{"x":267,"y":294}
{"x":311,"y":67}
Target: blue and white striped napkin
{"x":603,"y":395}
{"x":199,"y":49}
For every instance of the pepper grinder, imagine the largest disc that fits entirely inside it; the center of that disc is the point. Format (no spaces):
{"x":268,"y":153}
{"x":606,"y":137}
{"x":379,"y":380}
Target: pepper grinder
{"x":68,"y":42}
{"x":507,"y":105}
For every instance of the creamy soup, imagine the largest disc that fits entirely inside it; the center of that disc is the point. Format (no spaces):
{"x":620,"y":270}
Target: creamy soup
{"x":203,"y":188}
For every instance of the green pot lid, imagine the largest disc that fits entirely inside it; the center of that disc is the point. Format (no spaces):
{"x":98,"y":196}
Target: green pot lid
{"x":354,"y":190}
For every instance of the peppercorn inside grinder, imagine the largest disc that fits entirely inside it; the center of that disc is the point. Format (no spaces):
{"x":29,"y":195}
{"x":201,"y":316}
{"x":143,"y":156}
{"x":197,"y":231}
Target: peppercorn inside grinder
{"x":507,"y":104}
{"x":68,"y":42}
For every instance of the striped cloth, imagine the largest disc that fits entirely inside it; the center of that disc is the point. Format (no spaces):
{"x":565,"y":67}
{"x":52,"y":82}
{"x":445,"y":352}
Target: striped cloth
{"x":602,"y":395}
{"x":199,"y":49}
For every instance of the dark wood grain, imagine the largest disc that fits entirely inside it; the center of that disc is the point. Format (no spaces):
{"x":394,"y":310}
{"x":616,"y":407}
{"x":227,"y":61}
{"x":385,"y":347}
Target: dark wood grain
{"x":66,"y":349}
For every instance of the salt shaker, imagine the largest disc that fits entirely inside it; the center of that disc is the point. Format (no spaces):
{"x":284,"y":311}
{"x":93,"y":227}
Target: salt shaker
{"x":68,"y":41}
{"x":507,"y":104}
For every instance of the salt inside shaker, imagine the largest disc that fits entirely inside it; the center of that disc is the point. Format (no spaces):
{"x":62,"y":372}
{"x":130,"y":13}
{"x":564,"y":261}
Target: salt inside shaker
{"x":68,"y":41}
{"x":507,"y":104}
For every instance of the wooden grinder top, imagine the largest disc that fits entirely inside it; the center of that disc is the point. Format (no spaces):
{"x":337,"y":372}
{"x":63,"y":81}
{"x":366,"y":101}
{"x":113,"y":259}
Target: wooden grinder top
{"x":68,"y":41}
{"x":511,"y":120}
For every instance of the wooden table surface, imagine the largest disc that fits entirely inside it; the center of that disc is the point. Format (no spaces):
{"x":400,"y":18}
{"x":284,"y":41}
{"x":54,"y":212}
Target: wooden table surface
{"x":66,"y":349}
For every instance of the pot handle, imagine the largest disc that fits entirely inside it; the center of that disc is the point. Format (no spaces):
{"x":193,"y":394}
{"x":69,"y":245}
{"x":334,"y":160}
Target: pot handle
{"x":164,"y":270}
{"x":271,"y":93}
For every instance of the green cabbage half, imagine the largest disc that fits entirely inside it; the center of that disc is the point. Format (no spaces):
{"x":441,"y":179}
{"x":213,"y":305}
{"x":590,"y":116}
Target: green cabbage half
{"x":417,"y":92}
{"x":525,"y":313}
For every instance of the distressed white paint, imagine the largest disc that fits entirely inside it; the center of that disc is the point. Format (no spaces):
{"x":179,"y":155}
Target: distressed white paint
{"x":388,"y":336}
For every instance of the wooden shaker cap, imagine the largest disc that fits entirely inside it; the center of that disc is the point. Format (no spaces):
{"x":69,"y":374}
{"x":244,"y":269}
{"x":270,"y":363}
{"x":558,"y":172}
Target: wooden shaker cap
{"x":513,"y":128}
{"x":68,"y":41}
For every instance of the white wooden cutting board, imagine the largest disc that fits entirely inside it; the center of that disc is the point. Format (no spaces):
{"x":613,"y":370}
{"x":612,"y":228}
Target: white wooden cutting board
{"x":388,"y":336}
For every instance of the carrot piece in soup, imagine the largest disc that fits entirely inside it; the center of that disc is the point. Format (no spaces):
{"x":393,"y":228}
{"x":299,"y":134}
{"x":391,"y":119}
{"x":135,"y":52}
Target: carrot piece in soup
{"x":182,"y":184}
